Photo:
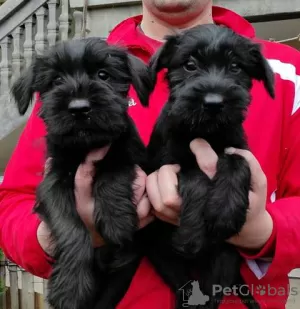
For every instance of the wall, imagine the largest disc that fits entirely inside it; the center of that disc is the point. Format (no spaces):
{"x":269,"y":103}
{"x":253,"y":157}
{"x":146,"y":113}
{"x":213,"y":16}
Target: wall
{"x":101,"y":21}
{"x":279,"y":30}
{"x":7,"y":145}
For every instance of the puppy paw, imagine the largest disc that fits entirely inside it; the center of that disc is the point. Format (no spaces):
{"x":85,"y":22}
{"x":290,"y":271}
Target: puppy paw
{"x":188,"y":242}
{"x":116,"y":221}
{"x":116,"y":218}
{"x":228,"y":203}
{"x":72,"y":284}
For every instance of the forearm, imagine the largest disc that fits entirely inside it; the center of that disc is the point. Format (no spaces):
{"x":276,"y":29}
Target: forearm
{"x":255,"y":234}
{"x":18,"y":234}
{"x":281,"y":252}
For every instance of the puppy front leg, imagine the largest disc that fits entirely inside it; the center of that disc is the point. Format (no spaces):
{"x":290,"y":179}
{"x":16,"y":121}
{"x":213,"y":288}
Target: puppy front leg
{"x":194,"y":186}
{"x":71,"y":282}
{"x":218,"y":269}
{"x":116,"y":218}
{"x":228,"y":203}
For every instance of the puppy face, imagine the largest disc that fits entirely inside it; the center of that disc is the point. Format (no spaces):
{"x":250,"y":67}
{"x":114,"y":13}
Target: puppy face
{"x":83,"y":86}
{"x":210,"y":71}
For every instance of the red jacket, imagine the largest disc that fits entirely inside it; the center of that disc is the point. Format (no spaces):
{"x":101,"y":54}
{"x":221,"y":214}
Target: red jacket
{"x":272,"y":127}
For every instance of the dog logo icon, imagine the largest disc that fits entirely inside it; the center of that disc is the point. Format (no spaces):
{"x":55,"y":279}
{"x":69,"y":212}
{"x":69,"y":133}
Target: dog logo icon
{"x":192,"y":295}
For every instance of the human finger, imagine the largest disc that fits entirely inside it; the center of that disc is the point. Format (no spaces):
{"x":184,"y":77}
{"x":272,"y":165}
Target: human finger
{"x":206,"y":157}
{"x":168,"y":183}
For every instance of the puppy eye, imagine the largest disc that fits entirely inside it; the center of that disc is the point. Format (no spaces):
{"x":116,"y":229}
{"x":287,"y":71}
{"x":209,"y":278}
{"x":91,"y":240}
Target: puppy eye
{"x":190,"y":66}
{"x":234,"y":67}
{"x":57,"y":80}
{"x":103,"y":75}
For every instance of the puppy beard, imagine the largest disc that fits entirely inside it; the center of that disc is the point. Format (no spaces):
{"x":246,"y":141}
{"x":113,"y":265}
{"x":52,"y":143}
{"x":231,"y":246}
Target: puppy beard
{"x":188,"y":110}
{"x":101,"y":125}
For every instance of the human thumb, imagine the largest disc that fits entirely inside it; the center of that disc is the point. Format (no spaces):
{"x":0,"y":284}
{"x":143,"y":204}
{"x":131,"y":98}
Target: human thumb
{"x":85,"y":172}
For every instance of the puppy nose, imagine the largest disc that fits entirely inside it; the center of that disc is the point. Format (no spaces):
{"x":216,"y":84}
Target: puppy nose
{"x":213,"y":100}
{"x":79,"y":106}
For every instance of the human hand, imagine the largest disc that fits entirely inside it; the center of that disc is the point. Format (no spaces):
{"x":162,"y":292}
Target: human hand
{"x":259,"y":224}
{"x":85,"y":201}
{"x":162,"y":185}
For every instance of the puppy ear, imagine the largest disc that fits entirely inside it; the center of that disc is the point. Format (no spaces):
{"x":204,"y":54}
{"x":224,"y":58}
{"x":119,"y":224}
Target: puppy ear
{"x":162,"y":57}
{"x":23,"y":89}
{"x":141,"y":78}
{"x":261,"y":69}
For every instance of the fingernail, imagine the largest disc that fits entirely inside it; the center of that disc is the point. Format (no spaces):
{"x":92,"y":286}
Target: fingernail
{"x":230,"y":150}
{"x":144,"y":222}
{"x":97,"y":155}
{"x":176,"y":168}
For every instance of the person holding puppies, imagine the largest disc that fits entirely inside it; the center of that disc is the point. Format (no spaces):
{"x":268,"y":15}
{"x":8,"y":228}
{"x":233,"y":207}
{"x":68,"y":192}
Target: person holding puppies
{"x":270,"y":239}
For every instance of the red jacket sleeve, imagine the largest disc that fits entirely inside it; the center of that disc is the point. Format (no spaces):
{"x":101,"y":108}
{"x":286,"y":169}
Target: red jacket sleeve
{"x":18,"y":224}
{"x":284,"y":244}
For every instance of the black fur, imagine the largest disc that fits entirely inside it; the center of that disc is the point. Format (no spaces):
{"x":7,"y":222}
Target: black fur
{"x":209,"y":70}
{"x":100,"y":76}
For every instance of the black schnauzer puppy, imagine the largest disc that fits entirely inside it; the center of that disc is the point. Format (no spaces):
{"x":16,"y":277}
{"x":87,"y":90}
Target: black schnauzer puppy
{"x":83,"y":86}
{"x":210,"y":72}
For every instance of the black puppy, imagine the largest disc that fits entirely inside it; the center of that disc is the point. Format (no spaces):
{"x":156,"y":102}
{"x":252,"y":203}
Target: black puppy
{"x":210,"y":70}
{"x":83,"y":86}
